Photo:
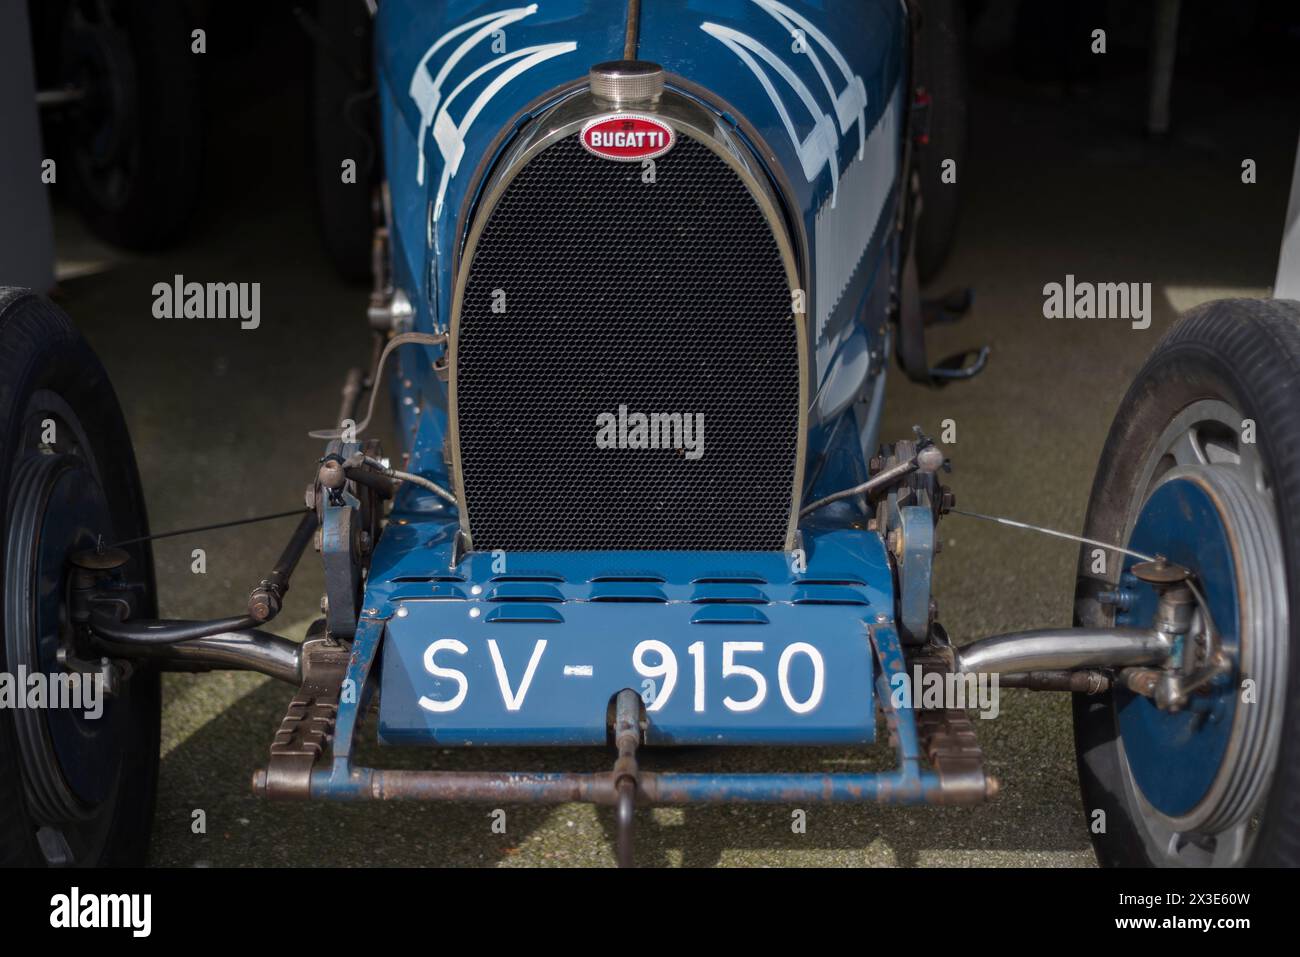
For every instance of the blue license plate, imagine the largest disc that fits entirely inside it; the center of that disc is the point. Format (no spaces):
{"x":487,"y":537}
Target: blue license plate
{"x":797,"y":674}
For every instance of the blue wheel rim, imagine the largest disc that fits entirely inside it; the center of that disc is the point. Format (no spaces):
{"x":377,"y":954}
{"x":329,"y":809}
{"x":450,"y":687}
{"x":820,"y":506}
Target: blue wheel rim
{"x":1175,"y":757}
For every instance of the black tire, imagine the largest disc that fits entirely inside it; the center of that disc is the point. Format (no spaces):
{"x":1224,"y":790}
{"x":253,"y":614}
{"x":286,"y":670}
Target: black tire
{"x":1245,"y":353}
{"x":344,"y":127}
{"x":41,"y":353}
{"x":941,"y":71}
{"x":143,"y":85}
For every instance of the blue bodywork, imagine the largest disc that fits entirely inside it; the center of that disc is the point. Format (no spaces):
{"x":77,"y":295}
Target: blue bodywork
{"x":820,"y":87}
{"x":848,"y":203}
{"x":583,"y":615}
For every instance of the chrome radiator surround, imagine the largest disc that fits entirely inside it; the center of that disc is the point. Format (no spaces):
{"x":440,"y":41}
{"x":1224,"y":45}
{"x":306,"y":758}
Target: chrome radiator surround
{"x":690,"y":121}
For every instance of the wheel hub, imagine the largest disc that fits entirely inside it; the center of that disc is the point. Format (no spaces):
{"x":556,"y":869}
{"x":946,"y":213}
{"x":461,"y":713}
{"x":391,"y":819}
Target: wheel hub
{"x":1204,"y":767}
{"x":67,"y":749}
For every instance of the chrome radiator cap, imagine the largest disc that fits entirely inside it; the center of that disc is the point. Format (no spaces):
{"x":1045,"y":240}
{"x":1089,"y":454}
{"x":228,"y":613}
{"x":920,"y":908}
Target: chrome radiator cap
{"x":628,"y":83}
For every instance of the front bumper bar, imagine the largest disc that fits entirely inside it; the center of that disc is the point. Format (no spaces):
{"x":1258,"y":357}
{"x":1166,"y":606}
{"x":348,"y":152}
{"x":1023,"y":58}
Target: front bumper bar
{"x":937,"y":760}
{"x":898,"y":786}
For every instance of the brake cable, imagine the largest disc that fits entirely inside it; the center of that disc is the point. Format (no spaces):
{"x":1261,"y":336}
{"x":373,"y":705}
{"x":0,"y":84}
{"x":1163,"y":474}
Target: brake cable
{"x":1215,"y":661}
{"x":360,"y":459}
{"x":377,"y":376}
{"x":100,"y":546}
{"x":1050,"y":531}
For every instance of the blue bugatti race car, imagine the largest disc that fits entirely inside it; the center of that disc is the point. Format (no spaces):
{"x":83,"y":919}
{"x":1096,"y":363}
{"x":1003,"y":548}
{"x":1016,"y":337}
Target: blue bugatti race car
{"x":640,"y":271}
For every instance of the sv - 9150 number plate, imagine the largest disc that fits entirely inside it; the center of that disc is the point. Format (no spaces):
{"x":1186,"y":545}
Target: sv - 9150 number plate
{"x":453,"y":677}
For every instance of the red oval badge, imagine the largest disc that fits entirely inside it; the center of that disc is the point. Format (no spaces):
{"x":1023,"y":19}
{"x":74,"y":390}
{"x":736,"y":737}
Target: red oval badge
{"x":627,"y":136}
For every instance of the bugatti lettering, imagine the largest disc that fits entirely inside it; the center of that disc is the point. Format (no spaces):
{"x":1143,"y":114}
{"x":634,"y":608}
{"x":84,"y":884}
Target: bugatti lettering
{"x":635,"y":139}
{"x":627,"y":136}
{"x":657,"y":430}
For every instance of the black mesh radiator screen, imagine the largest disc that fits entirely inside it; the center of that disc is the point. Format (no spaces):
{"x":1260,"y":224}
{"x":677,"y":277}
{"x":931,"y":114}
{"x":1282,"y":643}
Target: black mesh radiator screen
{"x":592,"y":290}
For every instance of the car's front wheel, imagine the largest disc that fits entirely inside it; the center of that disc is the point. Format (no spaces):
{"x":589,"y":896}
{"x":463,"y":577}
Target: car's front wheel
{"x":1202,"y":466}
{"x":78,"y":731}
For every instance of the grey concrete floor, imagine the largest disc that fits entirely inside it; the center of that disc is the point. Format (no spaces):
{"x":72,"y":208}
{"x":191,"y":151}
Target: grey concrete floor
{"x":1054,"y":185}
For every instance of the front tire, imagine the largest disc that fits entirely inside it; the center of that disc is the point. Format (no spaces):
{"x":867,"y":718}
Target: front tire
{"x":74,"y":789}
{"x":1212,"y":409}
